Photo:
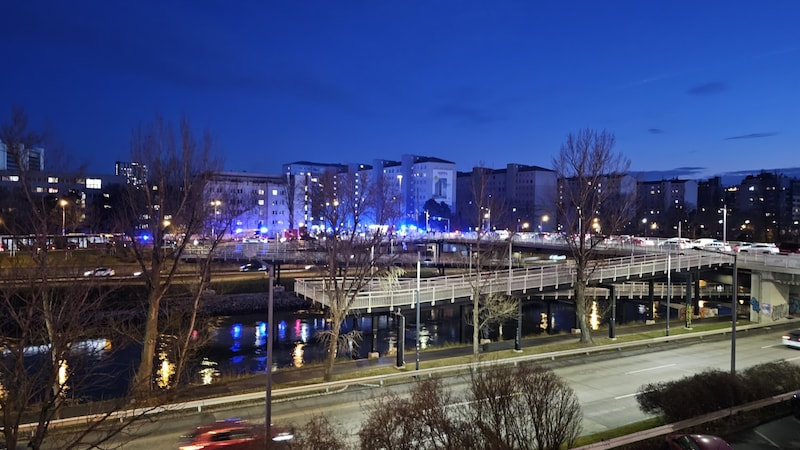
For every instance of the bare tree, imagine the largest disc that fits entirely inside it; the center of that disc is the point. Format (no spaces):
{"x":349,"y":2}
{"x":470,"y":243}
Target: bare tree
{"x":485,"y":259}
{"x":53,"y":322}
{"x":596,"y":198}
{"x":184,"y":313}
{"x":318,"y":433}
{"x":353,"y":213}
{"x":171,"y":198}
{"x":422,"y":421}
{"x":519,"y":407}
{"x":523,"y":407}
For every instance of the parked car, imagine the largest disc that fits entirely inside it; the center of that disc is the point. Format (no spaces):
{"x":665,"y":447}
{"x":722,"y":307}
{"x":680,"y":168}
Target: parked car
{"x":100,"y":272}
{"x":253,"y":266}
{"x":791,"y":339}
{"x":696,"y":442}
{"x":789,"y":247}
{"x":234,"y":434}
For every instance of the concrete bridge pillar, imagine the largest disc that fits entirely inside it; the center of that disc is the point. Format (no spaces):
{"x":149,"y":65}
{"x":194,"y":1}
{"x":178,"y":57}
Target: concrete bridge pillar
{"x":374,"y":353}
{"x":769,"y":299}
{"x":651,"y":298}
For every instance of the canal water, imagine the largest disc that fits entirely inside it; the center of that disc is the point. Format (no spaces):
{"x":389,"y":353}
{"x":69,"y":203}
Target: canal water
{"x":239,"y":343}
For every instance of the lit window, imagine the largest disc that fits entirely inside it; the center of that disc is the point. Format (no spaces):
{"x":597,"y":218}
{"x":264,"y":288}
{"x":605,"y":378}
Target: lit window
{"x":94,"y":183}
{"x":52,"y":190}
{"x":261,"y":202}
{"x":52,"y":179}
{"x":274,"y":192}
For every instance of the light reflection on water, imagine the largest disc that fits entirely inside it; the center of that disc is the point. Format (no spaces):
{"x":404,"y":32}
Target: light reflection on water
{"x":239,"y":344}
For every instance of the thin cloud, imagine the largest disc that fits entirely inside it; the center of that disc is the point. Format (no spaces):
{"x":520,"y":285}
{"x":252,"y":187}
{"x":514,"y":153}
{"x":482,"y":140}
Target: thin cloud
{"x":714,"y":87}
{"x":655,"y":130}
{"x":752,"y":136}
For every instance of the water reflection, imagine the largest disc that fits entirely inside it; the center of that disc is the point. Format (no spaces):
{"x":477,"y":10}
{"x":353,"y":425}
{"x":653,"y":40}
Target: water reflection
{"x":295,"y":344}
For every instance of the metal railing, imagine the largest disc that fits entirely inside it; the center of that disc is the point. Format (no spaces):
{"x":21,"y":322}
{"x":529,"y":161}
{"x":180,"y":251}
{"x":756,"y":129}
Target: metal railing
{"x":402,"y":293}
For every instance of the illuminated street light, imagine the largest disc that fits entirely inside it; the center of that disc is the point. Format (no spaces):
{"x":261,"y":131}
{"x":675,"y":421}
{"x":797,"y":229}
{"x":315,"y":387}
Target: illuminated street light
{"x":215,"y":204}
{"x":63,"y":204}
{"x":545,"y":218}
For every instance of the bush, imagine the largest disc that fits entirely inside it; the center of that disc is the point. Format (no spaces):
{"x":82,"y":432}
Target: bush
{"x":714,"y":390}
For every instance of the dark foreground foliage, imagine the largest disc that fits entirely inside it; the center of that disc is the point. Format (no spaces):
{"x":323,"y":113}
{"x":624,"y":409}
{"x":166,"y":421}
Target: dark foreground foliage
{"x":714,"y":390}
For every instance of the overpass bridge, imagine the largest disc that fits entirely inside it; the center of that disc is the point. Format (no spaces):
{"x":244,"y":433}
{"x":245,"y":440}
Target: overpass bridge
{"x":556,"y":280}
{"x":773,"y":280}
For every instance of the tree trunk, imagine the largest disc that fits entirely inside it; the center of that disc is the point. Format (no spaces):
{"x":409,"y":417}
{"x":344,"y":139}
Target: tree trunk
{"x":333,"y":346}
{"x":475,"y":328}
{"x":580,"y":313}
{"x":143,"y":382}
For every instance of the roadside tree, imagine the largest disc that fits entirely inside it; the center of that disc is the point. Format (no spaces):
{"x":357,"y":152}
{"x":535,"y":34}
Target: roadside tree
{"x":596,"y":198}
{"x":487,"y":255}
{"x":354,"y":217}
{"x":168,"y":200}
{"x":55,"y":324}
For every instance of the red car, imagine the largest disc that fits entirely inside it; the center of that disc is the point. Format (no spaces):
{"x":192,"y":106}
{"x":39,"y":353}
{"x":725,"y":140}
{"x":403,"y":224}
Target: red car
{"x":235,"y":434}
{"x":696,"y":442}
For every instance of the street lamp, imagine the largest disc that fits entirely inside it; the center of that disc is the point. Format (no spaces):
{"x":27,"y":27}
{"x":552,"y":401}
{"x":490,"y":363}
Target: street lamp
{"x":544,"y":219}
{"x":63,"y":204}
{"x":215,"y":204}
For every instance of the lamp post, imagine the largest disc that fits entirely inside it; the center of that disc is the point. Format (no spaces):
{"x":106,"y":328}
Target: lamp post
{"x":734,"y":307}
{"x":542,"y":221}
{"x":270,"y":329}
{"x":63,"y":204}
{"x":215,"y":204}
{"x":419,"y":268}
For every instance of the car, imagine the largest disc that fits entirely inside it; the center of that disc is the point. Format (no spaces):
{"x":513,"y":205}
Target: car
{"x":791,"y":339}
{"x":253,"y":266}
{"x":762,"y":247}
{"x":714,"y":246}
{"x":234,"y":434}
{"x":696,"y":442}
{"x":676,"y":244}
{"x":741,"y":246}
{"x":100,"y":272}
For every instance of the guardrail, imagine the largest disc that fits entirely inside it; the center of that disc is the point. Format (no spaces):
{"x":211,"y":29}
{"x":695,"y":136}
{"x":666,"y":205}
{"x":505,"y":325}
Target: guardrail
{"x":327,"y":387}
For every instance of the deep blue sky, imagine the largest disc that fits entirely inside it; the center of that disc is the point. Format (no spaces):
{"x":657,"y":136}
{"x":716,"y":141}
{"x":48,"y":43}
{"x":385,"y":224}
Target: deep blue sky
{"x":709,"y":85}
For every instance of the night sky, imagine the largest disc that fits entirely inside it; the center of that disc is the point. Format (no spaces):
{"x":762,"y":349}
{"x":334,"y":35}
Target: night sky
{"x":690,"y":88}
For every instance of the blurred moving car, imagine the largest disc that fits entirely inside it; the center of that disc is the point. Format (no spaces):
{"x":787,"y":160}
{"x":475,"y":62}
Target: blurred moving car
{"x":100,"y":272}
{"x":696,"y":442}
{"x":253,"y":266}
{"x":789,"y":247}
{"x":791,"y":338}
{"x":763,"y":247}
{"x":235,"y":434}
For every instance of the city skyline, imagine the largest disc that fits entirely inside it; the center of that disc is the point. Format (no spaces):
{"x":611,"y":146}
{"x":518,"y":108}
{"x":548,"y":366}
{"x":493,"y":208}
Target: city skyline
{"x":689,"y":90}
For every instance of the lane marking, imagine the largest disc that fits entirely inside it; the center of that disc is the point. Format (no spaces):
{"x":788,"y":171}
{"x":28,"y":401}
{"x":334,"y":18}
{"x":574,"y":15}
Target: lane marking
{"x":620,"y":397}
{"x":649,"y":369}
{"x":792,"y":359}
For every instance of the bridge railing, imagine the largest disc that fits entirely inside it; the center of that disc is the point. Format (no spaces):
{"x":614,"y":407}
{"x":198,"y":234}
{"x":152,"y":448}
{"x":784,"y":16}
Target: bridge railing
{"x":402,"y":293}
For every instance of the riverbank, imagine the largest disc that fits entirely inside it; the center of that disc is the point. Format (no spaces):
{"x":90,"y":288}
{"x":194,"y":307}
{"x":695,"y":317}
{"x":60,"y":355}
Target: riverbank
{"x":249,"y":303}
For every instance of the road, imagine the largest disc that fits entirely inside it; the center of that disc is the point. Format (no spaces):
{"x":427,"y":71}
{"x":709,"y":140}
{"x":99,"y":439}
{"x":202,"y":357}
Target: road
{"x":606,"y":388}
